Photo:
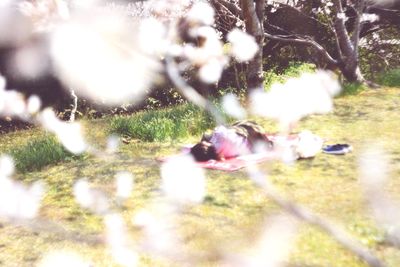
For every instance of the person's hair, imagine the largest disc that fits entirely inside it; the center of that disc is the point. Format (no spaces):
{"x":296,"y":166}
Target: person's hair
{"x":204,"y":151}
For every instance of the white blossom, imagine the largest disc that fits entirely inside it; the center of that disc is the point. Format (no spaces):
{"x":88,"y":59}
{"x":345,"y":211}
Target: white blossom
{"x":116,"y":230}
{"x":12,"y":104}
{"x":273,"y":246}
{"x":152,"y":36}
{"x":124,"y":184}
{"x":14,"y":27}
{"x":33,"y":104}
{"x":183,"y":181}
{"x":374,"y":172}
{"x":44,"y":14}
{"x":311,"y":93}
{"x":244,"y":46}
{"x":374,"y":167}
{"x":5,"y":3}
{"x":211,"y":48}
{"x":112,"y":144}
{"x":211,"y":71}
{"x":69,"y":133}
{"x":142,"y":218}
{"x":2,"y":83}
{"x":369,"y":17}
{"x":275,"y":242}
{"x":30,"y":201}
{"x":117,"y":242}
{"x":18,"y":201}
{"x":201,"y":13}
{"x":7,"y":166}
{"x":30,"y":61}
{"x":160,"y":234}
{"x":101,"y":57}
{"x":168,"y":9}
{"x":63,"y":259}
{"x":232,"y":106}
{"x":89,"y":197}
{"x":85,"y":4}
{"x":342,"y":16}
{"x":82,"y":193}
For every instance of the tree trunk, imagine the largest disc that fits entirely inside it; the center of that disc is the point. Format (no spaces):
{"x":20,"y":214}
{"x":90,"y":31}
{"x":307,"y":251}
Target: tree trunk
{"x":253,"y":16}
{"x":352,"y":74}
{"x":348,"y":44}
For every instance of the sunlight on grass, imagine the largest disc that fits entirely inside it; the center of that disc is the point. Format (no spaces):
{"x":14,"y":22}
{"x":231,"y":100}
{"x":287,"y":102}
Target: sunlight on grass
{"x":233,"y":209}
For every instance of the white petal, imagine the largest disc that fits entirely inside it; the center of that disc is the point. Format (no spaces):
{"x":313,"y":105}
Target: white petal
{"x":232,"y":106}
{"x":124,"y":184}
{"x":34,"y":104}
{"x":244,"y":46}
{"x":82,"y":193}
{"x":183,"y":181}
{"x":211,"y":71}
{"x":107,"y":64}
{"x":2,"y":83}
{"x":201,"y":12}
{"x":63,"y":259}
{"x":7,"y":166}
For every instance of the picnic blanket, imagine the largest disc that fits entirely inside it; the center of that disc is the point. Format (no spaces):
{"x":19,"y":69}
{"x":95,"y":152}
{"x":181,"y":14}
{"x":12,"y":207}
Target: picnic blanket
{"x":237,"y":163}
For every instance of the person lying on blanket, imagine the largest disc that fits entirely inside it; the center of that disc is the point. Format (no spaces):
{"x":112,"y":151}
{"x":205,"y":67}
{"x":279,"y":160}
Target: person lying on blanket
{"x":228,"y":142}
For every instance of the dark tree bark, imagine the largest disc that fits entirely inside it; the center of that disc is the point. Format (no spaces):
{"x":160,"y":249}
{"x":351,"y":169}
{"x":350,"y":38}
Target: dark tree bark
{"x":334,"y":40}
{"x":253,"y":16}
{"x":344,"y":55}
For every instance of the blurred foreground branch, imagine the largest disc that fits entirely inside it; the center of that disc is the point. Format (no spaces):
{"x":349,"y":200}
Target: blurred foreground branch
{"x":303,"y":214}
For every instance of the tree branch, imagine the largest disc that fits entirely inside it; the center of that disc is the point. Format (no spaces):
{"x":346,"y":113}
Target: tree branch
{"x":341,"y":31}
{"x":260,"y":5}
{"x":300,"y":40}
{"x":234,"y":9}
{"x":339,"y":50}
{"x":355,"y":38}
{"x":308,"y":216}
{"x":390,"y":16}
{"x":189,"y":92}
{"x":301,"y":13}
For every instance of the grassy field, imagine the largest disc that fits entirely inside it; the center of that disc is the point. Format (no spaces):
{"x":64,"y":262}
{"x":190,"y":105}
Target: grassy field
{"x":233,"y":208}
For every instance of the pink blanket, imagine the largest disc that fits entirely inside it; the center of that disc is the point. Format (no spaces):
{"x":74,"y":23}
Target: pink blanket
{"x":234,"y":164}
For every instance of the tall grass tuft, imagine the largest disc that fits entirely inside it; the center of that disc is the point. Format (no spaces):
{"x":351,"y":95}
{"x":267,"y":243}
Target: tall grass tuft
{"x":39,"y":153}
{"x":353,"y":88}
{"x":163,"y":124}
{"x":390,"y":78}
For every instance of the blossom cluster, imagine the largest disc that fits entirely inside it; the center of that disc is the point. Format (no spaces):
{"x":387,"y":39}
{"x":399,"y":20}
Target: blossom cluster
{"x":17,"y":201}
{"x":102,"y":55}
{"x":298,"y":97}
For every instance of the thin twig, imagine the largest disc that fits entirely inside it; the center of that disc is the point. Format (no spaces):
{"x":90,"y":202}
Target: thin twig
{"x":189,"y":92}
{"x":292,"y":208}
{"x":302,"y":213}
{"x":74,"y":106}
{"x":302,"y":40}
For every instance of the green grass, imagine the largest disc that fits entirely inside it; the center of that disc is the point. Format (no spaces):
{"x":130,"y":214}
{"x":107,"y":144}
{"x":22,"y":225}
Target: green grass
{"x":163,"y":124}
{"x":234,"y":209}
{"x":38,"y":153}
{"x":390,"y":78}
{"x":353,"y":88}
{"x":184,"y":120}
